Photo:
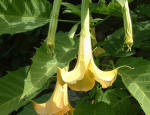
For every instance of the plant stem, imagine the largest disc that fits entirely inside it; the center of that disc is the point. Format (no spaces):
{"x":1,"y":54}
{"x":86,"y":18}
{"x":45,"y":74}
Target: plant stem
{"x":68,"y":21}
{"x":50,"y":41}
{"x":85,"y":48}
{"x":85,"y":18}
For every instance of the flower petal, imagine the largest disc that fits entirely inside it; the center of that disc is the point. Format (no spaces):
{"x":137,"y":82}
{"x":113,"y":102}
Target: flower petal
{"x":73,"y":76}
{"x":58,"y":104}
{"x":39,"y":108}
{"x":105,"y":78}
{"x":86,"y":84}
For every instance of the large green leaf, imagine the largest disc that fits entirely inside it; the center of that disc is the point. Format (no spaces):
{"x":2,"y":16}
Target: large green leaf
{"x":120,"y":101}
{"x":44,"y":64}
{"x":11,"y":89}
{"x":23,"y":15}
{"x":18,"y":87}
{"x":137,"y":80}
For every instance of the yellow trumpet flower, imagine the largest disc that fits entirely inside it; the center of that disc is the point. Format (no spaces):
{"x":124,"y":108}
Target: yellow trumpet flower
{"x":58,"y":104}
{"x":83,"y":76}
{"x":79,"y":79}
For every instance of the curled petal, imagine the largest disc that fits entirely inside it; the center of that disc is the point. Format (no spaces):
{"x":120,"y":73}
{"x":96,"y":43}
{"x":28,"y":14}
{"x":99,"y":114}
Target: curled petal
{"x":105,"y":78}
{"x":39,"y":108}
{"x":85,"y":84}
{"x":73,"y":76}
{"x":58,"y":104}
{"x":79,"y":80}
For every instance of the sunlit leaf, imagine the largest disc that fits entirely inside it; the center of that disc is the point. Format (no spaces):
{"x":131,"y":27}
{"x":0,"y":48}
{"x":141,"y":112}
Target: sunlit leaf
{"x":71,"y":8}
{"x":23,"y":15}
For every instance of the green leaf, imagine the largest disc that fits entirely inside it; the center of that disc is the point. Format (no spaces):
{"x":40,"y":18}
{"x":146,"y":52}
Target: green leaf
{"x":113,"y":44}
{"x":119,"y":101}
{"x":23,"y":15}
{"x":11,"y":89}
{"x":85,"y":108}
{"x":112,"y":9}
{"x":67,"y":49}
{"x":44,"y":64}
{"x":20,"y":86}
{"x":71,"y":8}
{"x":137,"y":80}
{"x":143,"y":9}
{"x":141,"y":34}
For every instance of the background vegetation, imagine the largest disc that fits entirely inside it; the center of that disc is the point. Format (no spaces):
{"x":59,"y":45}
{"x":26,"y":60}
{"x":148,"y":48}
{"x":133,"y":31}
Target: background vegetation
{"x":23,"y":53}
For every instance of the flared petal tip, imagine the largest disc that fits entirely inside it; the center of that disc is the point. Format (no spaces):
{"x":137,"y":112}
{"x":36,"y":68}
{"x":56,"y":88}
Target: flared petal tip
{"x":105,"y":78}
{"x":66,"y":111}
{"x":40,"y":109}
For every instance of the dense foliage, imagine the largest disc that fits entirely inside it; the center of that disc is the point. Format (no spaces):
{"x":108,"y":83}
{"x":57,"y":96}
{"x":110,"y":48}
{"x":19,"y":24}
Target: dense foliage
{"x":28,"y":67}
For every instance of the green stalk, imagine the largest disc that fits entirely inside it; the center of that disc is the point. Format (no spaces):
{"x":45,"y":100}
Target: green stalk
{"x":85,"y":48}
{"x":85,"y":18}
{"x":50,"y":41}
{"x":127,"y":25}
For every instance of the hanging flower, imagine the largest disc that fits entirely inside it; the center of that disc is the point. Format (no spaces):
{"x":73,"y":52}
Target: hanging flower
{"x":58,"y":104}
{"x":83,"y":76}
{"x":127,"y":23}
{"x":79,"y":78}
